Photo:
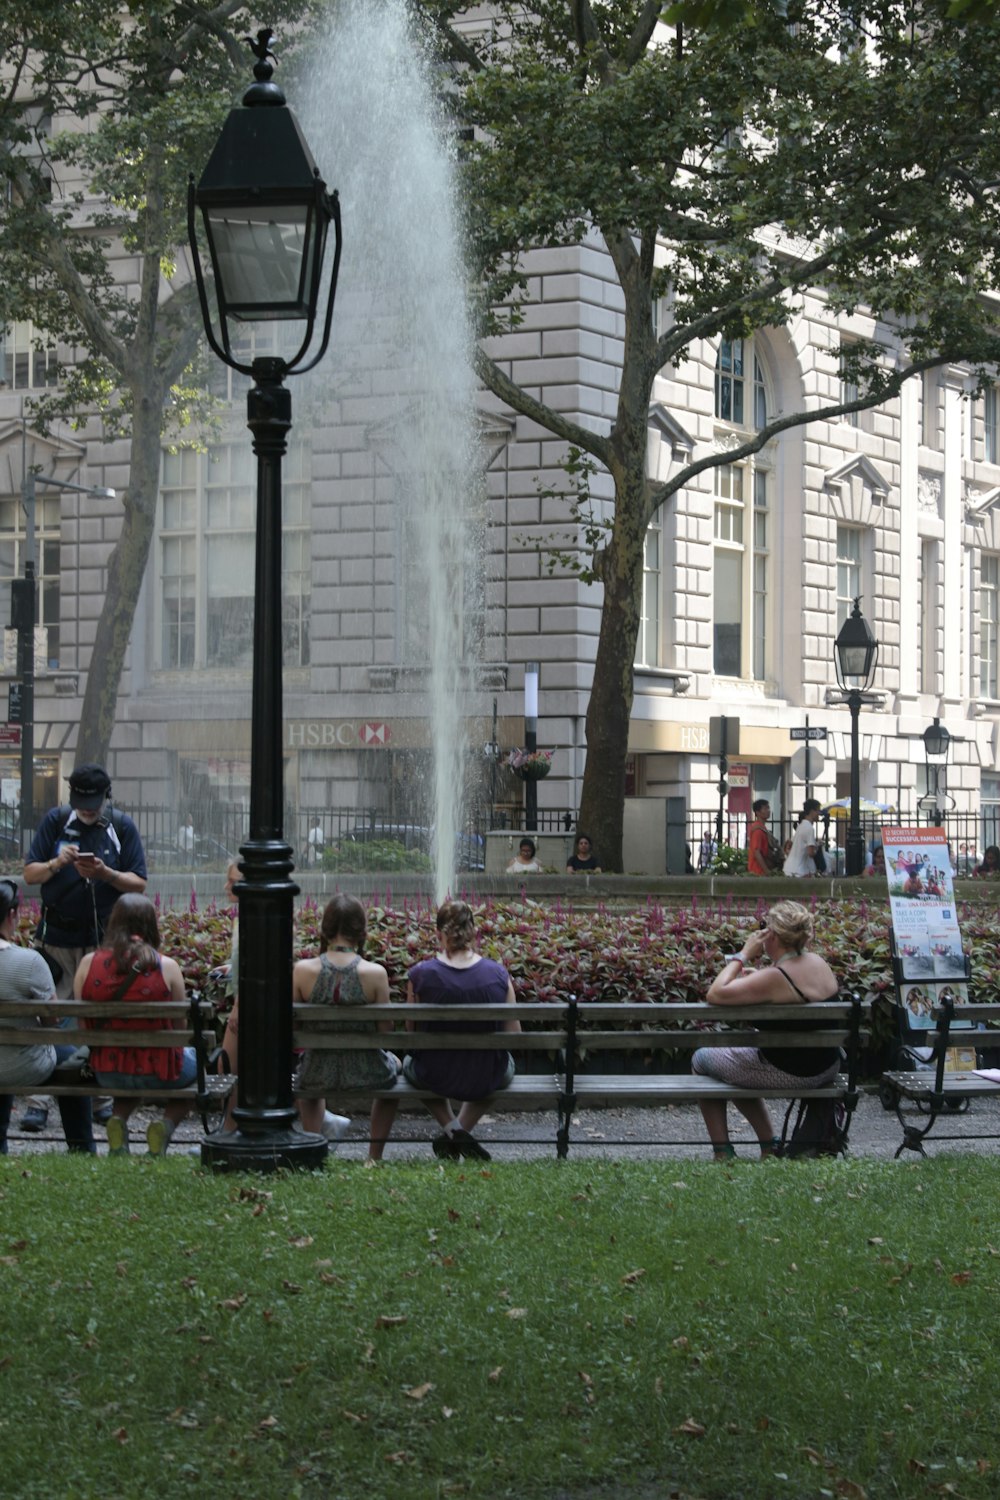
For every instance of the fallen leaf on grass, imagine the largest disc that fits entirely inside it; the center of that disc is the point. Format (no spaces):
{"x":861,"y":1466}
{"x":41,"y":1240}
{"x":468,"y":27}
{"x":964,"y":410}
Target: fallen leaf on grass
{"x":354,"y":1417}
{"x":328,"y":1278}
{"x":631,"y":1277}
{"x":494,"y":1375}
{"x":386,"y":1320}
{"x":399,"y":1457}
{"x":302,"y":1242}
{"x":419,"y":1392}
{"x":291,"y":1287}
{"x":233,"y":1304}
{"x":447,"y":1411}
{"x":453,"y":1215}
{"x":516,"y":1312}
{"x":691,"y":1428}
{"x":961,"y":1278}
{"x":681,"y":1342}
{"x":120,"y":1435}
{"x":267,"y":1423}
{"x":850,"y":1490}
{"x":914,"y":1466}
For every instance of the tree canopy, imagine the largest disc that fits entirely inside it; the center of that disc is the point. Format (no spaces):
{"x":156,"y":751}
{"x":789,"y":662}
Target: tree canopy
{"x":726,"y":171}
{"x":104,"y":111}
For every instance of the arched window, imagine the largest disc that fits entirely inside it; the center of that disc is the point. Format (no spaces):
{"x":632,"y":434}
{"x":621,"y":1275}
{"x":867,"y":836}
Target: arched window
{"x":739,"y":397}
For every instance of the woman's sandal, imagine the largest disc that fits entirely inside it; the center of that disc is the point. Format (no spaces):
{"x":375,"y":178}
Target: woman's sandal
{"x":771,"y":1148}
{"x":724,"y":1153}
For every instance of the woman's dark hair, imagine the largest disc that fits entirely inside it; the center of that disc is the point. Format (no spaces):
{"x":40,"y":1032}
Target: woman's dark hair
{"x":991,"y":858}
{"x":343,"y":917}
{"x":10,"y":898}
{"x":576,"y":842}
{"x":456,"y":924}
{"x":527,"y":844}
{"x":133,"y":934}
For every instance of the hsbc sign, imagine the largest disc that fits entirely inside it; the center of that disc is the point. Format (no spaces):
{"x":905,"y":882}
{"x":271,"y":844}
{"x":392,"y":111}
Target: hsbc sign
{"x":336,"y":734}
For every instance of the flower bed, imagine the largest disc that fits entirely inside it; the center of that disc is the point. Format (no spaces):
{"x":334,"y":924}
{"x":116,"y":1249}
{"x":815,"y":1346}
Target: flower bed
{"x":653,"y":953}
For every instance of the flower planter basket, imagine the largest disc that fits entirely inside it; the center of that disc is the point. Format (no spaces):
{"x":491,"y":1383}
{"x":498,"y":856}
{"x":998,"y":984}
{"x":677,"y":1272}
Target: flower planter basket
{"x":536,"y":771}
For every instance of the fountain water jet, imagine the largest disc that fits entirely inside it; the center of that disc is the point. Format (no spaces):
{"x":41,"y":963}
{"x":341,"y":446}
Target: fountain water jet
{"x":402,"y":333}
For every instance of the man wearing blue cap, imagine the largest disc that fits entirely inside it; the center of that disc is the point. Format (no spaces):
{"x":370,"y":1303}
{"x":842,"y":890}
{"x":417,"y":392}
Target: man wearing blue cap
{"x":84,"y":857}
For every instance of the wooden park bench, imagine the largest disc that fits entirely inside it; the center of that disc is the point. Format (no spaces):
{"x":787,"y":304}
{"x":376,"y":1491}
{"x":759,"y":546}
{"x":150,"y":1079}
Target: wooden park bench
{"x":933,"y":1090}
{"x":192,"y":1027}
{"x":570,"y":1033}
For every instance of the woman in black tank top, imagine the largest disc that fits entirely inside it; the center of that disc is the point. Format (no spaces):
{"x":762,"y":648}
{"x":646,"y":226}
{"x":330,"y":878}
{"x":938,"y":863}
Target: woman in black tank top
{"x":792,"y":976}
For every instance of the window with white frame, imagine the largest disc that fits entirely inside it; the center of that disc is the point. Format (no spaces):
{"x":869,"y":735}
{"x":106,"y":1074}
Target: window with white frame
{"x":465,"y":582}
{"x":927,"y":399}
{"x":206,"y":557}
{"x":989,"y":812}
{"x":849,"y":549}
{"x":741,"y":572}
{"x":740,"y":389}
{"x":47,"y":563}
{"x":927,"y":621}
{"x":849,"y":390}
{"x":647,"y":648}
{"x":27,"y":358}
{"x":991,"y":431}
{"x":989,"y":586}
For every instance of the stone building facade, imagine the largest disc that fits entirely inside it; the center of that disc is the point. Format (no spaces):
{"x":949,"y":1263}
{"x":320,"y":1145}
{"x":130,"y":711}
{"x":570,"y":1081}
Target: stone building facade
{"x":749,"y":572}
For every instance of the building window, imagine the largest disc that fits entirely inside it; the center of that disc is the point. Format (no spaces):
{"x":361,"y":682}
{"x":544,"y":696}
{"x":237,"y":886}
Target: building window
{"x":738,"y":398}
{"x":206,"y":557}
{"x":741,"y":572}
{"x":47,"y":562}
{"x":849,"y":390}
{"x":989,"y":812}
{"x":927,"y":605}
{"x":989,"y":584}
{"x":27,"y":358}
{"x":647,"y":650}
{"x":991,"y":436}
{"x":928,"y":408}
{"x":848,"y":571}
{"x":461,"y":626}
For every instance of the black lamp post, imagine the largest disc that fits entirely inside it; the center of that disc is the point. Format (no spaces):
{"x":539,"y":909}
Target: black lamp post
{"x":265,"y":215}
{"x":855,"y":653}
{"x":937,"y":741}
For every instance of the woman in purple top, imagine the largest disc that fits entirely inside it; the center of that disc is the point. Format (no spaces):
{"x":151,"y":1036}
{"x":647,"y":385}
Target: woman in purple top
{"x":459,"y":976}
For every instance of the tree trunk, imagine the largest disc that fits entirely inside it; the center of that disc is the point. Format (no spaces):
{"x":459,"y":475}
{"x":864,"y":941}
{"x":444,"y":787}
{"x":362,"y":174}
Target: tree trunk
{"x":602,"y":809}
{"x":126,"y":570}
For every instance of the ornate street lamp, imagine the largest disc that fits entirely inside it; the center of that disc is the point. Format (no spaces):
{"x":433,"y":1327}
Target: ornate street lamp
{"x":265,"y":215}
{"x":937,"y":742}
{"x":855,"y":653}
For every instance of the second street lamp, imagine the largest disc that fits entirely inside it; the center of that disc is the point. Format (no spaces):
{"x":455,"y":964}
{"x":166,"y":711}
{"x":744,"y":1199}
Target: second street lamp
{"x":937,"y":742}
{"x":855,"y":654}
{"x":265,"y":216}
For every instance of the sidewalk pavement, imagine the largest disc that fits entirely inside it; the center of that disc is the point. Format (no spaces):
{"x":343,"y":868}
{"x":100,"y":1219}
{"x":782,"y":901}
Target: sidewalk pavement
{"x":652,"y":1134}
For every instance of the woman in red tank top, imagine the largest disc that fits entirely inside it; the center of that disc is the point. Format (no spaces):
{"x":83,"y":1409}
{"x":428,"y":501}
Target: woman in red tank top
{"x":130,"y":970}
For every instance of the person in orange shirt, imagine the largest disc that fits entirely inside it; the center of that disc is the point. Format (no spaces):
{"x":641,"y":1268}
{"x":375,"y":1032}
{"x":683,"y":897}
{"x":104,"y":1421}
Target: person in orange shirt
{"x":759,"y":840}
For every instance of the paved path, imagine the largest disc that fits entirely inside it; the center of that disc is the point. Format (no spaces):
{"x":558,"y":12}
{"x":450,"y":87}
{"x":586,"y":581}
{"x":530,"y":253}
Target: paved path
{"x":652,"y":1134}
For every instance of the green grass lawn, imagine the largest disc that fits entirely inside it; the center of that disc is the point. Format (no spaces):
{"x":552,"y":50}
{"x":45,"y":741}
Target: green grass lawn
{"x":529,"y":1330}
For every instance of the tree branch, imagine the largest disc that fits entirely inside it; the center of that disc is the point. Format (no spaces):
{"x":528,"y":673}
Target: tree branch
{"x":501,"y":385}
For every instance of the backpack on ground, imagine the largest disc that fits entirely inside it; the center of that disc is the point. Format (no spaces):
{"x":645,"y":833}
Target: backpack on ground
{"x":820,"y":1129}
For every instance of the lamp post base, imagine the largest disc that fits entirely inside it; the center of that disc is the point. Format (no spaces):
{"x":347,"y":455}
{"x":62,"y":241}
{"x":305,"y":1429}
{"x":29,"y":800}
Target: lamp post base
{"x":273,"y":1151}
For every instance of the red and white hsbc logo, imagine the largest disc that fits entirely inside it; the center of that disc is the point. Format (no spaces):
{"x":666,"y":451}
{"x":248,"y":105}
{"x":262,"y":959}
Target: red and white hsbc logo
{"x":374,"y":734}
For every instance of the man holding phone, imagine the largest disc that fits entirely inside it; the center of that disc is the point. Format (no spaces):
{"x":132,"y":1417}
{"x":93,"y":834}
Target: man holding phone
{"x":84,"y":857}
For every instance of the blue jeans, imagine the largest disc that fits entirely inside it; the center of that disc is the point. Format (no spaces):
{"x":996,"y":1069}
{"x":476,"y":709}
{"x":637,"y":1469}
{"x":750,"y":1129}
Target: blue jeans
{"x":124,"y":1083}
{"x":76,"y":1116}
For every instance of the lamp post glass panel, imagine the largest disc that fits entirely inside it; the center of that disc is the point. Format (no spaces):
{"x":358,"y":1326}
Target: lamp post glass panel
{"x":855,"y":653}
{"x":265,"y":215}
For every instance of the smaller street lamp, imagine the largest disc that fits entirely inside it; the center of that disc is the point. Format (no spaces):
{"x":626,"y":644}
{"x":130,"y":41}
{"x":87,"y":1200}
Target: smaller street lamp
{"x":855,"y":654}
{"x":937,"y":742}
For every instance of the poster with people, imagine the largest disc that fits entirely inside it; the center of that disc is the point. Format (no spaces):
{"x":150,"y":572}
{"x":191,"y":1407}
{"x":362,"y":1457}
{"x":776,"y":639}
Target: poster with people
{"x":922,"y":904}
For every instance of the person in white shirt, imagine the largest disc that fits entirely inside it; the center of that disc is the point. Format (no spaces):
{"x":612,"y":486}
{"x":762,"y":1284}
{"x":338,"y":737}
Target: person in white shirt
{"x":801,"y":857}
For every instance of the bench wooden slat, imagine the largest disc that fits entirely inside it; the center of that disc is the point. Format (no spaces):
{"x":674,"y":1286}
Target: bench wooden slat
{"x":920,"y":1085}
{"x":683,"y":1088}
